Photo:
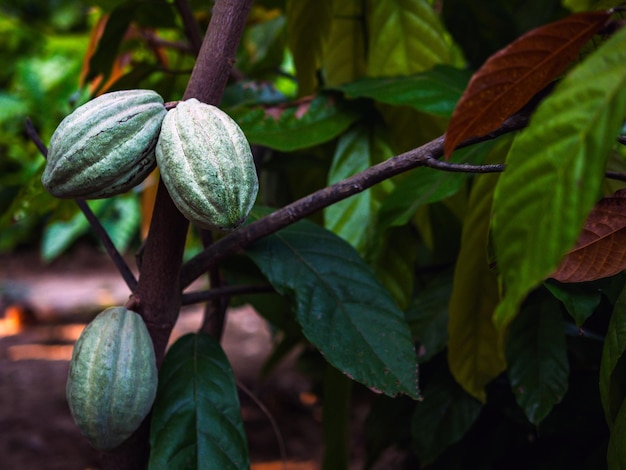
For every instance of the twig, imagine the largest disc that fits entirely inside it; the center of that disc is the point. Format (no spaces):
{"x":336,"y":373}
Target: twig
{"x":215,"y":309}
{"x":462,"y":167}
{"x":307,"y":205}
{"x":614,"y":175}
{"x":191,"y":27}
{"x":225,"y":291}
{"x":97,"y":227}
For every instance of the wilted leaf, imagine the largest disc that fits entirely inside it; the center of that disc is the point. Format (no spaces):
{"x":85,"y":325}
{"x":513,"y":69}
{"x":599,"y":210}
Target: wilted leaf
{"x":294,"y":125}
{"x":513,"y":75}
{"x":601,"y":247}
{"x":554,"y":172}
{"x":197,"y":416}
{"x":475,"y":346}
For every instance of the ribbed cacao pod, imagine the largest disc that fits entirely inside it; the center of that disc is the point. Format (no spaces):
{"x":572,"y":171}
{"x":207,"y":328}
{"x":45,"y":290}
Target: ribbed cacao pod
{"x":207,"y":166}
{"x":106,"y":146}
{"x":112,"y":381}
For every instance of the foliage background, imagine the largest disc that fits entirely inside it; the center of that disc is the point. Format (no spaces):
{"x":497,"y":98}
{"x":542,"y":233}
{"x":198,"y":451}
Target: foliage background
{"x":346,"y":85}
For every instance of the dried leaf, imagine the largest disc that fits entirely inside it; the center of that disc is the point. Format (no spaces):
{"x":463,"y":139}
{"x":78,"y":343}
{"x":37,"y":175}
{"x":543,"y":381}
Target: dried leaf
{"x":513,"y":75}
{"x":601,"y":248}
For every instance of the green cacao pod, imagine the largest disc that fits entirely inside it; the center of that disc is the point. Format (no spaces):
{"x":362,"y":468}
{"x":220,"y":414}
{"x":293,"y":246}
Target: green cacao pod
{"x":106,"y":146}
{"x":112,"y":380}
{"x":206,"y":164}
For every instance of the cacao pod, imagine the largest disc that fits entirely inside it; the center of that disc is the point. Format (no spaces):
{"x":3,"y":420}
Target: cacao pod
{"x":207,"y":166}
{"x":112,"y":380}
{"x":106,"y":146}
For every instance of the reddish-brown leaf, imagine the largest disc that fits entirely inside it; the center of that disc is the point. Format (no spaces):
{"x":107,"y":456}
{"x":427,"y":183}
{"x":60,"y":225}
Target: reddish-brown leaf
{"x":513,"y":75}
{"x":601,"y":247}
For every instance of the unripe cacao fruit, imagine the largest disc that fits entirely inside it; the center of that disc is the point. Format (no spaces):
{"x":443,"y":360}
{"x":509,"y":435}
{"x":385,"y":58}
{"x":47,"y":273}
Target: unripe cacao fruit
{"x":112,"y":380}
{"x":106,"y":146}
{"x":207,"y":166}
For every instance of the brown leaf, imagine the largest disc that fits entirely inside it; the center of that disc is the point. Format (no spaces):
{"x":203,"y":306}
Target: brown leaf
{"x":601,"y":247}
{"x":513,"y":75}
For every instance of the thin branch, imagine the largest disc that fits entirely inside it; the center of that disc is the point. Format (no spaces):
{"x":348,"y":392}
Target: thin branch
{"x":215,"y":309}
{"x":97,"y":227}
{"x":614,"y":175}
{"x":192,"y":31}
{"x":462,"y":167}
{"x":307,"y":205}
{"x":622,"y":139}
{"x":226,"y":291}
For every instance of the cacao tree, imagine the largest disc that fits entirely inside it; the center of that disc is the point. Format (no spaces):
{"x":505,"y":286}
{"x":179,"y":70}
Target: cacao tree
{"x":439,"y":191}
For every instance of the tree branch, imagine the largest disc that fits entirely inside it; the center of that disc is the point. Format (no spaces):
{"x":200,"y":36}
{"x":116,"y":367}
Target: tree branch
{"x":307,"y":205}
{"x":189,"y":23}
{"x":95,"y":224}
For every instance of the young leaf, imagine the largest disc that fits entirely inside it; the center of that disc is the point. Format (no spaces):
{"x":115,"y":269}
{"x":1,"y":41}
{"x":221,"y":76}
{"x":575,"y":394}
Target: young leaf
{"x":341,"y":306}
{"x":435,"y":91}
{"x":406,"y":37}
{"x":537,"y":357}
{"x":475,"y":346}
{"x":442,"y":418}
{"x":513,"y":75}
{"x":295,"y":125}
{"x":554,"y":172}
{"x":613,"y":363}
{"x":601,"y":247}
{"x":196,"y":418}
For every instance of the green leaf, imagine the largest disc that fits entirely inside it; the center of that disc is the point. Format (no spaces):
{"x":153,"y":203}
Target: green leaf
{"x":406,"y":37}
{"x":196,"y":418}
{"x":613,"y":363}
{"x":442,"y":418}
{"x":537,"y":357}
{"x":428,"y":316}
{"x":298,"y":125}
{"x":341,"y":306}
{"x":394,"y":263}
{"x":475,"y":346}
{"x":308,"y":24}
{"x":554,"y":172}
{"x":616,"y":454}
{"x":357,"y":150}
{"x":435,"y":91}
{"x":344,"y":49}
{"x":427,"y":185}
{"x":580,"y":300}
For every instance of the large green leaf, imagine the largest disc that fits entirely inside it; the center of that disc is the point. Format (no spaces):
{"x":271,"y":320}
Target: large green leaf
{"x":427,"y":185}
{"x":613,"y":364}
{"x":341,"y":306}
{"x":475,"y":346}
{"x":344,"y":50}
{"x":537,"y":357}
{"x":435,"y":91}
{"x":406,"y":37}
{"x":308,"y":24}
{"x":196,"y":420}
{"x":442,"y":418}
{"x":357,"y":150}
{"x":554,"y":172}
{"x":297,"y":125}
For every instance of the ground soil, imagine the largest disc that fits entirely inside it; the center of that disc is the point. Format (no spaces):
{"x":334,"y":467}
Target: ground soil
{"x":43,"y":308}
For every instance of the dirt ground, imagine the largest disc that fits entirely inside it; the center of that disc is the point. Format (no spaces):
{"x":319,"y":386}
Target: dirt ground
{"x":43,"y":309}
